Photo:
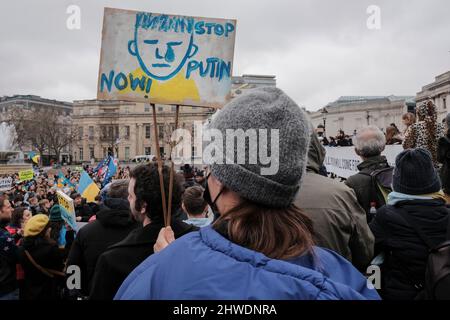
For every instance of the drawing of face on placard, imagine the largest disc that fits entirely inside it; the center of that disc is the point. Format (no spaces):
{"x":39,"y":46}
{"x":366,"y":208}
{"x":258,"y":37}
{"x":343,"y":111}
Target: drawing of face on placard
{"x":160,"y":57}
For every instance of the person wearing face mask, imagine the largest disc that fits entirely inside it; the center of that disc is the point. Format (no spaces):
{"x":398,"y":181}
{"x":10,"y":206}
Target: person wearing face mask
{"x":261,"y":247}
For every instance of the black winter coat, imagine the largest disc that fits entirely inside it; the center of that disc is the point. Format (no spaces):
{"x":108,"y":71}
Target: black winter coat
{"x":112,"y":225}
{"x":8,"y":260}
{"x":84,"y":211}
{"x":443,"y":157}
{"x":362,"y":182}
{"x":119,"y":260}
{"x":406,"y":253}
{"x":37,"y":285}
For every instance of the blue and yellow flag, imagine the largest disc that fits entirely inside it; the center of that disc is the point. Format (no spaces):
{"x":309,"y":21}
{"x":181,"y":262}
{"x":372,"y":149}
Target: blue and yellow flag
{"x":87,"y":188}
{"x":34,"y":157}
{"x":62,"y":180}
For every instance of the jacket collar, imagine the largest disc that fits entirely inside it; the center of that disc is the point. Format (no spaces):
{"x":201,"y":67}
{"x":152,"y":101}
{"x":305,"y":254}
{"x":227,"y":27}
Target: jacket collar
{"x":141,"y":236}
{"x":373,"y":163}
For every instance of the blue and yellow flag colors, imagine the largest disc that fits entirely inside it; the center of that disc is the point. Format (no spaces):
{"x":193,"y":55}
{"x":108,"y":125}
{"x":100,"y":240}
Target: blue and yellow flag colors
{"x":87,"y":188}
{"x":62,"y":181}
{"x":34,"y":157}
{"x":111,"y":171}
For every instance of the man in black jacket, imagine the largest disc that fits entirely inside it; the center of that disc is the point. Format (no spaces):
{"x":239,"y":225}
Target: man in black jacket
{"x":8,"y":254}
{"x":83,"y":211}
{"x":120,"y":259}
{"x":369,"y":144}
{"x":114,"y":222}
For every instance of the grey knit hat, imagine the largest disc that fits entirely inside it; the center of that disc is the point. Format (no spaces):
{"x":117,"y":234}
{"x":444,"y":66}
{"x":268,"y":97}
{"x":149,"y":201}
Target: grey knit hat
{"x":266,"y":108}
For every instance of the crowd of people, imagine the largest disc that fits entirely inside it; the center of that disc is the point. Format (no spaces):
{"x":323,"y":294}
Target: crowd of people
{"x":236,"y":233}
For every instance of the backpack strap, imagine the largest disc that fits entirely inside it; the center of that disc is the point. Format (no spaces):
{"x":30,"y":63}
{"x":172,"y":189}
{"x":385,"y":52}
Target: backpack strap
{"x":48,"y":272}
{"x":416,"y":228}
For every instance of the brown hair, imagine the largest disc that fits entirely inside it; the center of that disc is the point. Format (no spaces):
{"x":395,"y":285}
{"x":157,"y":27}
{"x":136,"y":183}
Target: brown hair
{"x":391,"y":132}
{"x":193,"y":200}
{"x":119,"y":189}
{"x":411,"y":117}
{"x":2,"y":201}
{"x":278,"y":233}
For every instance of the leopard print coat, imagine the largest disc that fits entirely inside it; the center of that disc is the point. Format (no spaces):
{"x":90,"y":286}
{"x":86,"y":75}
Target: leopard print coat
{"x":426,"y":133}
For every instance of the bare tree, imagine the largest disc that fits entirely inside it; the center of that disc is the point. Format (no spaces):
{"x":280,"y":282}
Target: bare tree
{"x":60,"y":133}
{"x":30,"y":129}
{"x":42,"y":129}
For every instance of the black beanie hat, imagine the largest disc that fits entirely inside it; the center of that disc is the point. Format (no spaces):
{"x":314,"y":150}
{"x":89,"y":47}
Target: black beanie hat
{"x":415,"y":174}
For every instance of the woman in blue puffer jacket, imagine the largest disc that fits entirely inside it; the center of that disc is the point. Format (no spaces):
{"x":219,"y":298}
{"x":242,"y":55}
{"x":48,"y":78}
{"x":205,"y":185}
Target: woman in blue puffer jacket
{"x":261,"y":246}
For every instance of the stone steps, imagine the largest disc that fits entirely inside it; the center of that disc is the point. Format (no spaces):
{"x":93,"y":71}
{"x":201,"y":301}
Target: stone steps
{"x":14,"y":168}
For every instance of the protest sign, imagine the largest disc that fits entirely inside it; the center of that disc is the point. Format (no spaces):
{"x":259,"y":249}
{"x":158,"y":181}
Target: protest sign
{"x":166,"y":59}
{"x":5,"y":183}
{"x":26,"y":175}
{"x":343,"y":161}
{"x":66,"y":202}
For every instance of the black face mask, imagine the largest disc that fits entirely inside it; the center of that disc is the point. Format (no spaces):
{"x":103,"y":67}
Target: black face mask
{"x":209,"y":201}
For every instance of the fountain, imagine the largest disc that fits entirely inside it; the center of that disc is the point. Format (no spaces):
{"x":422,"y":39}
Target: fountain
{"x":11,"y":160}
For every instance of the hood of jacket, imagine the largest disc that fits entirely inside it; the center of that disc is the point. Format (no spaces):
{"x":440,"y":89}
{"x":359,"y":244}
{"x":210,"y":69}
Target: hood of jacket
{"x":373,"y":163}
{"x":115,"y":212}
{"x":316,"y":154}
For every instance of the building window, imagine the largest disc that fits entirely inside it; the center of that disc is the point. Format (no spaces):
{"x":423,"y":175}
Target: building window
{"x":444,"y":103}
{"x":127,"y":153}
{"x":91,"y":111}
{"x":147,"y":151}
{"x":146,"y":107}
{"x":174,"y":108}
{"x":147,"y":131}
{"x":161,"y":131}
{"x":127,"y":109}
{"x":91,"y":153}
{"x":104,"y":133}
{"x":80,"y":133}
{"x":81,"y":153}
{"x":160,"y":108}
{"x":127,"y":132}
{"x":91,"y":133}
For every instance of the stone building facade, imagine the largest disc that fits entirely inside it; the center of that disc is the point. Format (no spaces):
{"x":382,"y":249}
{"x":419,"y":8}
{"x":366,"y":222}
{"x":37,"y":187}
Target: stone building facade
{"x":351,"y":113}
{"x":31,"y":103}
{"x":126,"y":128}
{"x":439,"y":92}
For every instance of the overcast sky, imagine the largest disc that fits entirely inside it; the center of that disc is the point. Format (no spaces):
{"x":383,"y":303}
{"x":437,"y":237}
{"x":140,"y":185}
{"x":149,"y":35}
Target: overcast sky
{"x":318,"y":50}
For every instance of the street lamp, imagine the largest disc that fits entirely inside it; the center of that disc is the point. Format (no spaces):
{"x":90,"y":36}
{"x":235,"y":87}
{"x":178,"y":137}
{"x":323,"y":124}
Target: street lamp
{"x":324,"y":117}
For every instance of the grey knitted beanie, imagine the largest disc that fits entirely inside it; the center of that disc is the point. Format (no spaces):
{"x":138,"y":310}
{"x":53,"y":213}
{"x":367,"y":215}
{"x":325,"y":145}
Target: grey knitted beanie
{"x":264,"y":108}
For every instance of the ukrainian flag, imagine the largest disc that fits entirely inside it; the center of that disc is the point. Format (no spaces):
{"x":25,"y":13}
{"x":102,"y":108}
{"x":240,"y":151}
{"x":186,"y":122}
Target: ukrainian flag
{"x":87,"y":188}
{"x":62,"y":181}
{"x":34,"y":157}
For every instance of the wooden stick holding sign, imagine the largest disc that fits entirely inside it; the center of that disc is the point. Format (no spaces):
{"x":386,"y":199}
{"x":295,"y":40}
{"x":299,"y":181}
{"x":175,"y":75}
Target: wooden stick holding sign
{"x":160,"y":166}
{"x":172,"y":169}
